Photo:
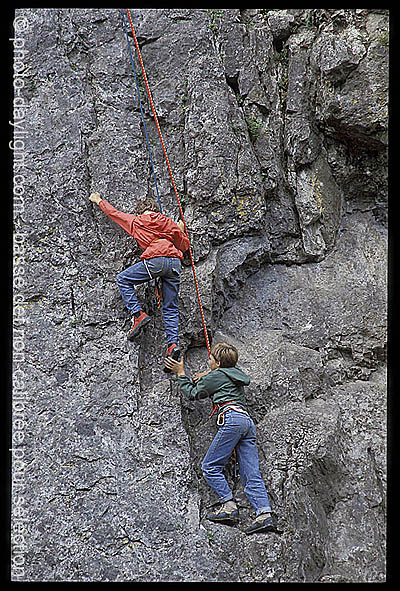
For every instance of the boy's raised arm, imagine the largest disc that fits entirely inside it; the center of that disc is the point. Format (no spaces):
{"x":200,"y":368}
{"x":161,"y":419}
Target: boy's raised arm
{"x":190,"y":390}
{"x":124,"y":220}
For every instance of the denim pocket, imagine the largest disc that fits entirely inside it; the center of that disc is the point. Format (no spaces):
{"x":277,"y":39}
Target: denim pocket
{"x":156,"y":266}
{"x":236,"y":421}
{"x":176,"y":266}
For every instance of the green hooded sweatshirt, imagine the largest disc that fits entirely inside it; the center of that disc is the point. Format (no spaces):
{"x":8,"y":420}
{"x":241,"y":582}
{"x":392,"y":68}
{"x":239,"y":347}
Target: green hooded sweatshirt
{"x":225,"y":384}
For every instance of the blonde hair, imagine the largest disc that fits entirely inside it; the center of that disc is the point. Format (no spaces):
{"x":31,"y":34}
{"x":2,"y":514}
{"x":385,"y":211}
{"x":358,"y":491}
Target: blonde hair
{"x":226,"y":355}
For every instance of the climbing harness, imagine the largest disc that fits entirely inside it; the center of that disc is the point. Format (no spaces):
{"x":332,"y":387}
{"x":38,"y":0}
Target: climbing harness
{"x":147,"y":269}
{"x":221,"y":418}
{"x":157,"y":283}
{"x":165,"y":154}
{"x":158,"y":292}
{"x":218,"y":406}
{"x":228,"y":406}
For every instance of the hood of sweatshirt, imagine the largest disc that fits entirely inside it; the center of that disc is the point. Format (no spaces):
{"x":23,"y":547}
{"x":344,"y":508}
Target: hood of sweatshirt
{"x":235,"y":374}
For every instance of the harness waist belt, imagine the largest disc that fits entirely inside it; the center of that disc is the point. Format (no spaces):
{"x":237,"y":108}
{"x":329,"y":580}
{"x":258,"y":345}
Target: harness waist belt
{"x":221,"y":418}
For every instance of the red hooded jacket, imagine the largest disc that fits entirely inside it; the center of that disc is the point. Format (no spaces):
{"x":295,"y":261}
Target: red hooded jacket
{"x":156,"y":234}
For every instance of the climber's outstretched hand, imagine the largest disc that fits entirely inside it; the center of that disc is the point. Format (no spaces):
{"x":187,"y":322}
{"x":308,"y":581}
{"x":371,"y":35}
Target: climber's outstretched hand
{"x":175,"y":366}
{"x":95,"y":197}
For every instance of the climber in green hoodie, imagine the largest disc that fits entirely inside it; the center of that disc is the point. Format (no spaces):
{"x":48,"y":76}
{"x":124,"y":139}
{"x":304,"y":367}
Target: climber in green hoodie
{"x":224,"y":384}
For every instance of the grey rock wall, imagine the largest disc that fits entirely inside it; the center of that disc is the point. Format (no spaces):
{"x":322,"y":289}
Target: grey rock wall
{"x":275,"y":122}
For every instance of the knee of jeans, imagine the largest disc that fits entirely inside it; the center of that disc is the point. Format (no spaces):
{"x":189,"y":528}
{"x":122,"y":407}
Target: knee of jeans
{"x":120,"y":278}
{"x":171,"y":306}
{"x":205,"y":468}
{"x":209,"y":470}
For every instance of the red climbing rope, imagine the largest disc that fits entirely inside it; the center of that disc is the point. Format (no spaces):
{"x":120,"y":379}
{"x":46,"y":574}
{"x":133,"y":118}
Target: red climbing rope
{"x":172,"y":177}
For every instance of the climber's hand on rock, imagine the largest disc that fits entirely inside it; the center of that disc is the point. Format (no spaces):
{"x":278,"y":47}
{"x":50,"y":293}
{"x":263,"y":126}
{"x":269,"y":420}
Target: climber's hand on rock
{"x":95,"y":197}
{"x":199,"y":375}
{"x":181,"y":225}
{"x":175,"y":366}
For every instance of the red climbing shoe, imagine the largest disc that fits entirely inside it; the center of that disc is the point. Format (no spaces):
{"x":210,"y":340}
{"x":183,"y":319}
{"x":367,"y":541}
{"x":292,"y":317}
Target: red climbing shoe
{"x":174,"y":352}
{"x":138,"y":323}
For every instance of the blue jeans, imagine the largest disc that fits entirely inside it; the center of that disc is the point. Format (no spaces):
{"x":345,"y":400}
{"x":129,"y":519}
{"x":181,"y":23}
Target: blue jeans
{"x":169,"y":270}
{"x":238,"y":430}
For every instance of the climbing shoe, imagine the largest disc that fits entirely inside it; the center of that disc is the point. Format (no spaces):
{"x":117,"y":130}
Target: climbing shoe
{"x":227,"y":514}
{"x":174,"y":352}
{"x":262,"y":524}
{"x":138,"y":323}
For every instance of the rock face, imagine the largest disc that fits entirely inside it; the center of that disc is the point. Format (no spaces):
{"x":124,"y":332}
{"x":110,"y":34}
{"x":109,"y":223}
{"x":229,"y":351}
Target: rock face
{"x":275,"y":122}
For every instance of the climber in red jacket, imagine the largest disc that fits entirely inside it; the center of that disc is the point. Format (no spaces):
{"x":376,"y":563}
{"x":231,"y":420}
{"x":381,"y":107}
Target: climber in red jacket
{"x":163,"y":243}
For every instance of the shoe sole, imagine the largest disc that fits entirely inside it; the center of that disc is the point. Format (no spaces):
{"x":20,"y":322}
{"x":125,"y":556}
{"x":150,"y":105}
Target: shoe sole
{"x":226,"y":521}
{"x":262,"y":530}
{"x":132,"y":335}
{"x":175,"y":356}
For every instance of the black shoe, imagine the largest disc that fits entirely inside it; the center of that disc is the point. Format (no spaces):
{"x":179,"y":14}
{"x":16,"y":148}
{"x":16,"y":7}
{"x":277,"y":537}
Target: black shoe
{"x":174,"y":352}
{"x":224,"y":517}
{"x":267,"y":525}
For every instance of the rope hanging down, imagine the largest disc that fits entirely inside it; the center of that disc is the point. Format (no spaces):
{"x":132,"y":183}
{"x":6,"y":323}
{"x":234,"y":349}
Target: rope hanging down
{"x":141,"y":110}
{"x":167,"y":162}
